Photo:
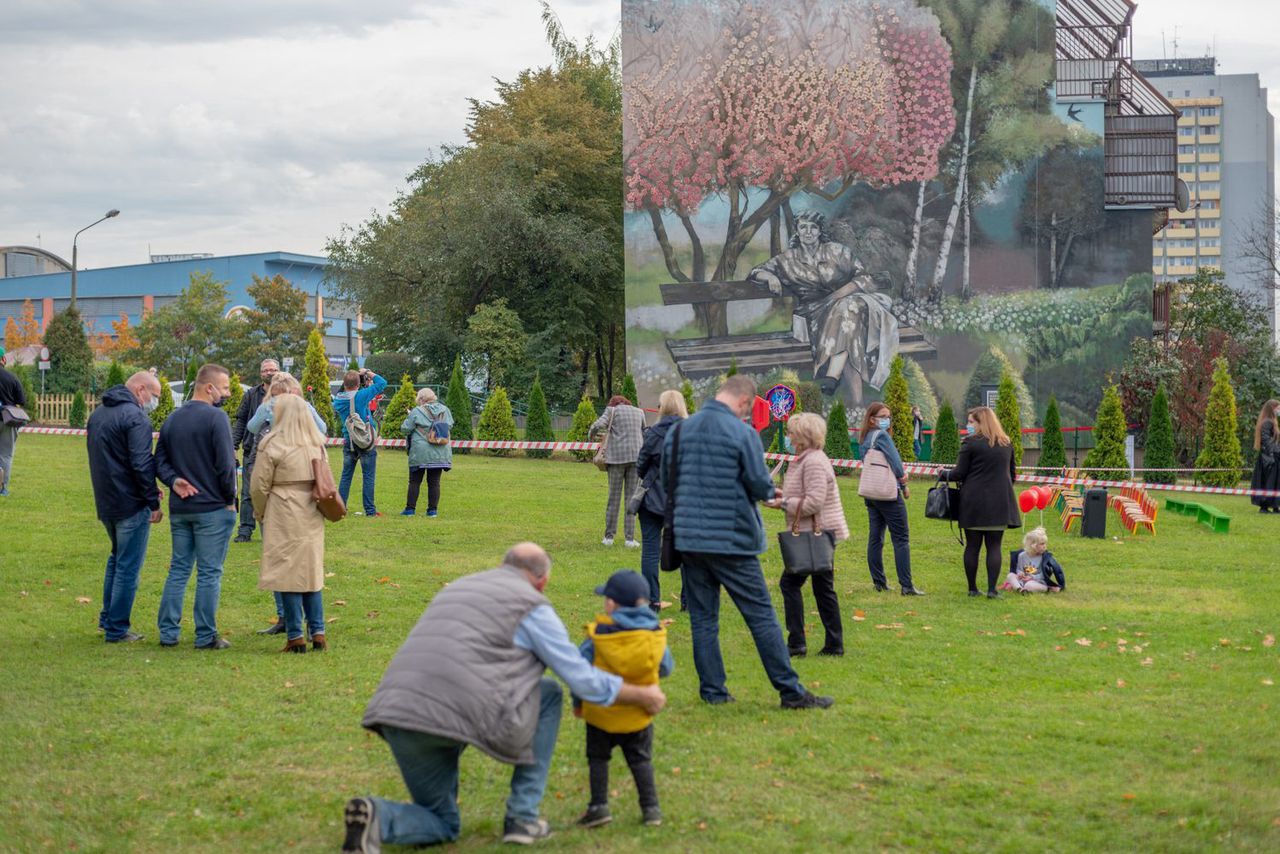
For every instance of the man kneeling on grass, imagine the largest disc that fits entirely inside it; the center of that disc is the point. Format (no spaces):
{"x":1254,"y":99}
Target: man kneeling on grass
{"x":471,"y":673}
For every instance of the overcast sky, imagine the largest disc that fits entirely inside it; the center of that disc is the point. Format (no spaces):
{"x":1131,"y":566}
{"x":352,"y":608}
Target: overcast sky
{"x":257,"y":125}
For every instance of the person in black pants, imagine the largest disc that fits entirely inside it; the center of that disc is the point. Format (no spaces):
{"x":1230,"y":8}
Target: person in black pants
{"x":671,"y":411}
{"x":985,"y":470}
{"x":890,"y":514}
{"x":241,"y":436}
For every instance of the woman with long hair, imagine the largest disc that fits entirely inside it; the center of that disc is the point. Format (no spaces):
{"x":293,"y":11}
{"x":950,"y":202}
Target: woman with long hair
{"x":292,"y":526}
{"x":1266,"y":468}
{"x":891,"y":514}
{"x":653,"y":507}
{"x":985,"y":470}
{"x":623,"y":426}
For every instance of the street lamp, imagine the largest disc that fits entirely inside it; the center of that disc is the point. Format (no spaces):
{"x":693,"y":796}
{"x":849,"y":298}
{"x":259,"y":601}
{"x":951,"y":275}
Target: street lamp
{"x":74,"y":265}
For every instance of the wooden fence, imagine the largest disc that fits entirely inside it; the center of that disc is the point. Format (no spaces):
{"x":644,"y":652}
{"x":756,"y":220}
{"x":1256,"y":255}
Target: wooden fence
{"x":56,"y":408}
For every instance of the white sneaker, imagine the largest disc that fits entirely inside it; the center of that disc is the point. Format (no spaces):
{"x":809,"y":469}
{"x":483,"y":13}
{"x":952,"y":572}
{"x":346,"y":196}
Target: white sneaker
{"x":607,"y":541}
{"x":633,"y":544}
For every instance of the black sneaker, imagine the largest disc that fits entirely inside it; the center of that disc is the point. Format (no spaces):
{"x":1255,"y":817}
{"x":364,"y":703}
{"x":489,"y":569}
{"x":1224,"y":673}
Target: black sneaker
{"x":363,"y":834}
{"x":596,"y":816}
{"x":975,"y":592}
{"x":720,"y":701}
{"x":518,"y":831}
{"x":273,"y":629}
{"x":881,"y":588}
{"x":218,"y":642}
{"x":994,"y":594}
{"x":242,"y":538}
{"x":809,"y":701}
{"x":128,"y":637}
{"x":911,"y":591}
{"x":798,"y":651}
{"x":651,"y":816}
{"x":832,"y":652}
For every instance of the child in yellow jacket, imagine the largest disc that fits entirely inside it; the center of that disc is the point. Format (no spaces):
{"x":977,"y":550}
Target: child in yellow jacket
{"x":628,"y":640}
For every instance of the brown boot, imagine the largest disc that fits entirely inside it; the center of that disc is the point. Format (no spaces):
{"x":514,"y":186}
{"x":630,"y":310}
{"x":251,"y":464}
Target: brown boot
{"x":318,"y":643}
{"x":296,"y":645}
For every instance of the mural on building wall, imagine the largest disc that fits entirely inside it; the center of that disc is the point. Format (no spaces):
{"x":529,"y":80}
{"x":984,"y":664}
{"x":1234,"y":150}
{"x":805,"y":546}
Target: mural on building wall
{"x":817,"y":186}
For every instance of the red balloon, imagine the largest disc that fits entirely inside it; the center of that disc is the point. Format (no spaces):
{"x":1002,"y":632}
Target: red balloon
{"x":1043,"y":494}
{"x":1027,"y":501}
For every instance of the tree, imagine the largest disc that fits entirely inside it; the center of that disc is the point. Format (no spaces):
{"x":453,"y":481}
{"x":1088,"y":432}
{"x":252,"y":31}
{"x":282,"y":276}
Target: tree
{"x":1053,"y":450}
{"x":1061,"y":205}
{"x":77,"y":416}
{"x":192,"y":328}
{"x":946,"y":436}
{"x":276,"y":327}
{"x":725,"y":115}
{"x":165,"y":407}
{"x":24,"y":373}
{"x":1007,"y":414}
{"x":390,"y":363}
{"x":126,"y":340}
{"x":71,"y":359}
{"x":1107,"y":455}
{"x":838,"y":446}
{"x":232,"y":404}
{"x":990,"y":368}
{"x":921,"y":391}
{"x":809,"y":397}
{"x":496,"y":422}
{"x":1221,"y":449}
{"x":896,"y":397}
{"x":495,"y":342}
{"x":115,"y":375}
{"x":686,"y":390}
{"x":12,"y":338}
{"x":629,"y":390}
{"x":404,"y":400}
{"x":537,"y":425}
{"x":580,"y":429}
{"x":458,"y":399}
{"x":733,"y":367}
{"x":315,"y":382}
{"x":1159,"y":453}
{"x":189,"y":384}
{"x":24,"y":332}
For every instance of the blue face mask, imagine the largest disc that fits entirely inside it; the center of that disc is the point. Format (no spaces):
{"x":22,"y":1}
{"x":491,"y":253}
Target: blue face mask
{"x":882,"y":423}
{"x":970,"y":429}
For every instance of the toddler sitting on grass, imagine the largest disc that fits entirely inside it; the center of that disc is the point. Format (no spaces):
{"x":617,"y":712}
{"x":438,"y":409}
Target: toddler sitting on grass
{"x":1032,"y":568}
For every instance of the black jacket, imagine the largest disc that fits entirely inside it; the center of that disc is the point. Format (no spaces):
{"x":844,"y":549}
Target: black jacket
{"x":649,"y":465}
{"x":1048,"y":565}
{"x":240,"y":435}
{"x":11,"y":393}
{"x":1266,"y":468}
{"x":195,"y":444}
{"x":121,"y":466}
{"x":985,"y":474}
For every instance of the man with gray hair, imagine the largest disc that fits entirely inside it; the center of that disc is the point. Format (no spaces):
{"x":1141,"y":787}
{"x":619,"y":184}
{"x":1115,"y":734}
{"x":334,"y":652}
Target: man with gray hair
{"x":242,"y":437}
{"x":471,"y":673}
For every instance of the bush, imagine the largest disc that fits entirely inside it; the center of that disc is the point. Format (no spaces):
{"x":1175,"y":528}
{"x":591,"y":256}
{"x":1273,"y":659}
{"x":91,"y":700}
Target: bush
{"x":232,"y":404}
{"x":1053,"y":450}
{"x":686,"y":389}
{"x":629,"y":390}
{"x":496,"y":422}
{"x":537,"y":424}
{"x":1108,"y":436}
{"x":989,"y":370}
{"x":1221,"y":442}
{"x":583,"y":418}
{"x":24,"y":374}
{"x":809,"y":397}
{"x":1007,"y":412}
{"x":115,"y":375}
{"x":71,"y":367}
{"x":1160,"y":453}
{"x":315,"y":382}
{"x":190,"y":382}
{"x":838,"y":447}
{"x":458,"y":399}
{"x":78,"y":415}
{"x":398,"y":408}
{"x":920,"y":391}
{"x":897,"y":398}
{"x":165,"y":407}
{"x":392,"y":364}
{"x":946,"y":436}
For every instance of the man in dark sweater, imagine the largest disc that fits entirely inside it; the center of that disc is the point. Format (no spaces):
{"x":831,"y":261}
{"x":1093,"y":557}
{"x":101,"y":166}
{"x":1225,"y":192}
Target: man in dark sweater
{"x":11,"y":394}
{"x":196,"y":460}
{"x":123,"y":472}
{"x":241,"y":437}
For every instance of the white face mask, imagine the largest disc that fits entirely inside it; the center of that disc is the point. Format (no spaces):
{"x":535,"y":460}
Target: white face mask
{"x":150,"y":405}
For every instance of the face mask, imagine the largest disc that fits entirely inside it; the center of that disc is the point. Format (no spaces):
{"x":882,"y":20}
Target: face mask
{"x":882,"y":423}
{"x":970,"y":429}
{"x":150,"y":405}
{"x":218,"y":399}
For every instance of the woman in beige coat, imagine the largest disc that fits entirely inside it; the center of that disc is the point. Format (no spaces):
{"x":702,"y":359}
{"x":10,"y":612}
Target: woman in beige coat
{"x":292,"y":527}
{"x":809,"y":493}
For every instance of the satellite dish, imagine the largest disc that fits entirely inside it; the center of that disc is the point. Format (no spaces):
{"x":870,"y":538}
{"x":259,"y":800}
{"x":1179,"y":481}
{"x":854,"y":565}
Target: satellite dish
{"x":1182,"y":196}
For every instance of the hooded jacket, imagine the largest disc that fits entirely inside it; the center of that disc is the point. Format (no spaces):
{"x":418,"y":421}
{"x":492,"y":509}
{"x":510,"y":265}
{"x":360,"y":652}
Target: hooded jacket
{"x":630,"y":643}
{"x":121,"y":465}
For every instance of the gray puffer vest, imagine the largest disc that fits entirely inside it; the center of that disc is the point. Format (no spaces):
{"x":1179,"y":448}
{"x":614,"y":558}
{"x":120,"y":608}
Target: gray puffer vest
{"x":460,"y":675}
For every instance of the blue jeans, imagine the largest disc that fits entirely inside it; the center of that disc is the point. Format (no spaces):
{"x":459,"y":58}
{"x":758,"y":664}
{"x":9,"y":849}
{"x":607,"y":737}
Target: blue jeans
{"x":295,"y":604}
{"x":129,"y":538}
{"x":199,"y":540}
{"x":246,"y":498}
{"x":650,"y":554}
{"x":429,"y":765}
{"x":369,"y":468}
{"x":742,"y":578}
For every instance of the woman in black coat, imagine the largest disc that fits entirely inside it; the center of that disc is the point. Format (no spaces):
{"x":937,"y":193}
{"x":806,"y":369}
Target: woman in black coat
{"x":985,"y":470}
{"x":671,"y":410}
{"x":1266,"y":469}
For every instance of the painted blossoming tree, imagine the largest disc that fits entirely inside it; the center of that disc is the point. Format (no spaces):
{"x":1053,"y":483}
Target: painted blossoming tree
{"x":723,"y":99}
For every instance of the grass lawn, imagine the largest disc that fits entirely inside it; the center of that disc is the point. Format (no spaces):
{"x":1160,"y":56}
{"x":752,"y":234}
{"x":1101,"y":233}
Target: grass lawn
{"x":1135,"y":712}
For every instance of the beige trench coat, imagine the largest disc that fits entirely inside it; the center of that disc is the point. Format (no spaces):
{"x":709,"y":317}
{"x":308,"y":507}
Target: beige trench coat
{"x":292,"y":527}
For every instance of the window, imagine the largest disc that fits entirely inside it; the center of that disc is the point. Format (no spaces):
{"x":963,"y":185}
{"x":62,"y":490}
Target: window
{"x":1208,"y":111}
{"x":1210,"y":186}
{"x":21,"y":264}
{"x":1209,"y":204}
{"x":1169,"y":92}
{"x":1186,"y":93}
{"x":1208,"y":168}
{"x":1211,"y":148}
{"x":1186,"y":131}
{"x":1186,"y":169}
{"x":1210,"y":242}
{"x":1210,"y":93}
{"x":1186,"y":149}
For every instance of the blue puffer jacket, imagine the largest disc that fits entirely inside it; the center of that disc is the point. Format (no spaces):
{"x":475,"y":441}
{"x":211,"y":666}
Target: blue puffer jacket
{"x":721,"y":476}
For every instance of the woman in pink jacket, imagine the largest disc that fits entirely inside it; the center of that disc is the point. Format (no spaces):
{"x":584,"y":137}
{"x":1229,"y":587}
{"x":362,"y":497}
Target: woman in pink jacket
{"x":809,"y":493}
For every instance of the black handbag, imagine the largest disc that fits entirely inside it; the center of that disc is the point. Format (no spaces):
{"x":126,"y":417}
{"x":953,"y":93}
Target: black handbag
{"x":807,"y":552}
{"x":943,"y":502}
{"x":669,"y":559}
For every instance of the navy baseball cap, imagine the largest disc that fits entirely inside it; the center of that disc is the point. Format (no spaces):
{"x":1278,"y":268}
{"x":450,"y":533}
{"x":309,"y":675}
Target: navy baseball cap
{"x":626,"y":587}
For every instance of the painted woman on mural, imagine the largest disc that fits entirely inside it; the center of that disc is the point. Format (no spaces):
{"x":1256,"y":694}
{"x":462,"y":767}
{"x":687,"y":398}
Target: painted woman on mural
{"x":849,"y":327}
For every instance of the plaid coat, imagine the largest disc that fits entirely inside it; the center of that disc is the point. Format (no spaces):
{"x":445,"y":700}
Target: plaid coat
{"x":626,"y":433}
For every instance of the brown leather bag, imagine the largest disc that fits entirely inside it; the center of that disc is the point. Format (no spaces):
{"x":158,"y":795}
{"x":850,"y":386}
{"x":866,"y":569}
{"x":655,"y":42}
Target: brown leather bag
{"x":325,"y":491}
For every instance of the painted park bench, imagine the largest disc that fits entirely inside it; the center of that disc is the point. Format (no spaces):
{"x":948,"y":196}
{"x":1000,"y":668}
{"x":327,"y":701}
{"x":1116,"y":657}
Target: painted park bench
{"x":757,"y":352}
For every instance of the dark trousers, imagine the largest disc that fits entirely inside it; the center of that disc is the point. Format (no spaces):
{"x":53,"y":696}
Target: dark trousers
{"x":246,"y":501}
{"x":651,"y":554}
{"x":415,"y":486}
{"x":824,"y":591}
{"x":637,"y":748}
{"x":891,"y":515}
{"x":973,"y":542}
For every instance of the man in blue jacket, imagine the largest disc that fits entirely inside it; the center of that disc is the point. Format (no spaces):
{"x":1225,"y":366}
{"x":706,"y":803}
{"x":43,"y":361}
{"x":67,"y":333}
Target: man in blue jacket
{"x":123,"y":473}
{"x":196,"y":460}
{"x":358,"y":389}
{"x":720,"y":475}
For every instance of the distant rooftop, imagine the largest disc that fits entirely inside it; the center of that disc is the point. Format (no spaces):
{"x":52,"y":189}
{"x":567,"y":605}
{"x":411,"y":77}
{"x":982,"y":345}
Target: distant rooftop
{"x":1184,"y":67}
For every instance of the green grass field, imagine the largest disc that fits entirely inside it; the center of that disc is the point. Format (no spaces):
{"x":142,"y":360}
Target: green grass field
{"x":1135,"y":712}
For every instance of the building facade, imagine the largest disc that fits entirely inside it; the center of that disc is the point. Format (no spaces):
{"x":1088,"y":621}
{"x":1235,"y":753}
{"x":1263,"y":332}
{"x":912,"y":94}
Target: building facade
{"x":29,"y":261}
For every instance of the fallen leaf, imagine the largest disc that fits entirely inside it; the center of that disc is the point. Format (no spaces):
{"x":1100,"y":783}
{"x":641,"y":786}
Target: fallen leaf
{"x":927,"y":628}
{"x":384,"y":579}
{"x":1120,"y":683}
{"x":1140,"y":634}
{"x":341,"y":603}
{"x":889,"y":626}
{"x":24,"y":593}
{"x":910,"y":614}
{"x":288,"y":684}
{"x":666,"y":622}
{"x":330,"y":574}
{"x":1224,"y":641}
{"x":1016,"y":632}
{"x":702,"y":825}
{"x":1128,"y":796}
{"x":372,"y":615}
{"x":1268,"y":682}
{"x":778,"y":784}
{"x":1059,"y":648}
{"x":1146,"y":662}
{"x":1121,"y":641}
{"x":873,"y":738}
{"x":675,"y":770}
{"x":329,"y":619}
{"x":1269,"y":640}
{"x":83,"y":600}
{"x":859,"y":615}
{"x":1083,"y":642}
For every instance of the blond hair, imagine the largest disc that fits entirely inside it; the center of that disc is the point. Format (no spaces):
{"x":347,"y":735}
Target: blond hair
{"x":425,"y":395}
{"x":807,"y":430}
{"x":1035,"y":535}
{"x":284,"y":384}
{"x":989,"y":425}
{"x":291,"y":424}
{"x":671,"y":402}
